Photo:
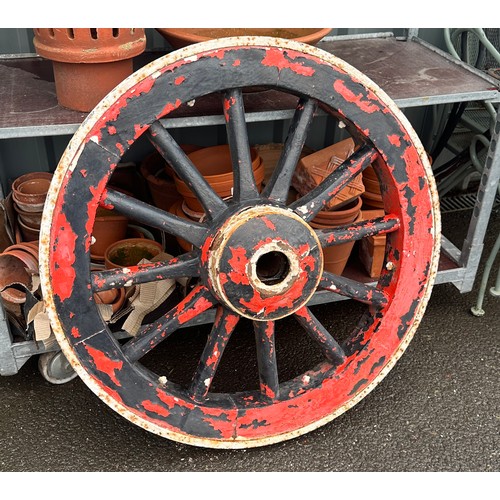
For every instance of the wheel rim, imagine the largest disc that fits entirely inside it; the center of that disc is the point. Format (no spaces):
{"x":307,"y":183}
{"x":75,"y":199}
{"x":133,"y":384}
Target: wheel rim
{"x":278,"y":410}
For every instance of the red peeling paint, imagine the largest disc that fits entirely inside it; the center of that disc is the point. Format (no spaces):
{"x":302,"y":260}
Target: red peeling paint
{"x":238,"y":263}
{"x":350,"y":96}
{"x":395,"y":140}
{"x":168,"y":108}
{"x":63,"y":257}
{"x":269,"y":223}
{"x":276,"y":58}
{"x":120,"y":148}
{"x":155,"y":408}
{"x":139,"y":130}
{"x":179,"y":80}
{"x":75,"y":332}
{"x":201,"y":305}
{"x":237,"y":62}
{"x":111,"y":130}
{"x":83,"y":173}
{"x":105,"y":364}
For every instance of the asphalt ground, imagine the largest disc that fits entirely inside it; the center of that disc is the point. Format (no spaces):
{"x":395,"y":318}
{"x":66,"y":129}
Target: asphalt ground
{"x":437,"y":410}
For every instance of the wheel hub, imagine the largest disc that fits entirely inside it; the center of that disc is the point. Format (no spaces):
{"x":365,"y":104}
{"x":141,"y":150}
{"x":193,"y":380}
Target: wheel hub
{"x":264,"y":262}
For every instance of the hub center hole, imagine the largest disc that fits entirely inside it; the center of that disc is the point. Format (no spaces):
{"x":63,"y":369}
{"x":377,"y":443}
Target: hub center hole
{"x":272,"y":268}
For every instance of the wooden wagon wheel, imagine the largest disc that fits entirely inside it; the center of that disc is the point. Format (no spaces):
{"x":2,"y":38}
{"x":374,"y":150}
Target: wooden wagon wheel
{"x":254,"y":257}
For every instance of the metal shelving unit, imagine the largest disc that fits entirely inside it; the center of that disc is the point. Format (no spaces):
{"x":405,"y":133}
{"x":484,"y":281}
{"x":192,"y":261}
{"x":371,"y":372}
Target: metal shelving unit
{"x":411,"y":71}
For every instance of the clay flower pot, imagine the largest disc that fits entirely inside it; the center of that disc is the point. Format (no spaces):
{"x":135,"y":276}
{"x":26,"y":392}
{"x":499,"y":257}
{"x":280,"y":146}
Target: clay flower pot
{"x":30,"y":190}
{"x":30,"y":219}
{"x":28,"y":233}
{"x":109,"y":227}
{"x":115,"y":297}
{"x":88,"y":62}
{"x":160,"y":183}
{"x":17,"y":263}
{"x":180,"y":37}
{"x":214,"y":163}
{"x":336,"y":257}
{"x":130,"y":252}
{"x":176,"y":209}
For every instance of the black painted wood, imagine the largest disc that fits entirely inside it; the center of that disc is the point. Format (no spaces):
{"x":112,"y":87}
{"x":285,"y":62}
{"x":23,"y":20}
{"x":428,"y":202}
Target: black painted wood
{"x":266,"y":358}
{"x":279,"y":184}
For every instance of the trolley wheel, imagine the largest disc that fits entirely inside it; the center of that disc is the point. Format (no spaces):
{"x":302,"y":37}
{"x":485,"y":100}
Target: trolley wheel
{"x":55,"y":368}
{"x":254,"y":257}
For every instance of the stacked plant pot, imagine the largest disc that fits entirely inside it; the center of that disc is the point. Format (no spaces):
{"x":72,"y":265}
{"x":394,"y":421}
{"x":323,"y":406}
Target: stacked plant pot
{"x":109,"y":227}
{"x":18,"y":265}
{"x":372,"y":197}
{"x":372,"y":248}
{"x":28,"y":193}
{"x":215,"y":164}
{"x":343,"y":209}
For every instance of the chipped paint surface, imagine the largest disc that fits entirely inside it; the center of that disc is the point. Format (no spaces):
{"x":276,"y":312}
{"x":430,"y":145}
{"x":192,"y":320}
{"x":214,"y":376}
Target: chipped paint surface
{"x":325,"y":391}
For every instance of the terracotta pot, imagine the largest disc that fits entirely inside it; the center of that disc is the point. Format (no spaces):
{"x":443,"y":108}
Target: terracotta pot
{"x":372,"y":186}
{"x":344,"y":215}
{"x":214,"y":163}
{"x":30,"y":190}
{"x":161,"y":185}
{"x":88,"y":62}
{"x":115,"y":297}
{"x":372,"y":200}
{"x":130,"y":251}
{"x":180,"y":37}
{"x":336,"y":257}
{"x":30,"y":219}
{"x":139,"y":231}
{"x":109,"y":227}
{"x":372,"y":249}
{"x":13,"y":270}
{"x":176,"y":209}
{"x":29,"y":247}
{"x":313,"y":169}
{"x":28,"y":233}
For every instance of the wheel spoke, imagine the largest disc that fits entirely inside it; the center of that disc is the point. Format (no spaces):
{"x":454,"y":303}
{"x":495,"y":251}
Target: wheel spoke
{"x":330,"y":347}
{"x":266,"y":358}
{"x":186,"y":265}
{"x":354,"y":290}
{"x":357,"y":230}
{"x":244,"y":187}
{"x":194,"y":304}
{"x":184,"y":168}
{"x":279,"y":184}
{"x":309,"y":205}
{"x":152,"y":216}
{"x":225,"y":322}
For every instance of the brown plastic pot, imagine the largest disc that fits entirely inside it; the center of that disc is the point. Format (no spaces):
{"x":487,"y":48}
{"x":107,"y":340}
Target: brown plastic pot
{"x":181,"y":37}
{"x":88,"y":62}
{"x":130,"y":252}
{"x":109,"y":227}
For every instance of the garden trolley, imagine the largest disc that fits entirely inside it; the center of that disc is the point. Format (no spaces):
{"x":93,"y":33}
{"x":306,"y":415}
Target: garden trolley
{"x":256,"y":259}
